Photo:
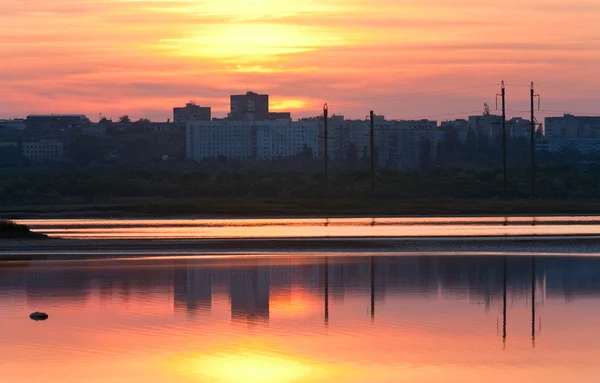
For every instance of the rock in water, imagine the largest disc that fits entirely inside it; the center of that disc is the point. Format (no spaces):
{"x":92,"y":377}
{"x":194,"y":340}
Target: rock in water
{"x":38,"y":316}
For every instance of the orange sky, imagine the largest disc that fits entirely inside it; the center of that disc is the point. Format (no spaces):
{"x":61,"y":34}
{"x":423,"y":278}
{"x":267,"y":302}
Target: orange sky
{"x":141,"y":57}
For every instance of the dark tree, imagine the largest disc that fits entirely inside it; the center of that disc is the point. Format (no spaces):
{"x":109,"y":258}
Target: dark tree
{"x":425,"y":155}
{"x":471,"y":144}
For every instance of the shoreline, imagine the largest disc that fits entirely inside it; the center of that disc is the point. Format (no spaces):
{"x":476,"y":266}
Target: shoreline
{"x":223,"y":208}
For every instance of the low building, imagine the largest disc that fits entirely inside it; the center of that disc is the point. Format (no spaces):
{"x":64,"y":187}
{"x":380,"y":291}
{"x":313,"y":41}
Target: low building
{"x":460,"y":126}
{"x":56,"y":123}
{"x":94,"y":129}
{"x":16,"y":124}
{"x":44,"y":151}
{"x":191,"y":112}
{"x":166,"y":126}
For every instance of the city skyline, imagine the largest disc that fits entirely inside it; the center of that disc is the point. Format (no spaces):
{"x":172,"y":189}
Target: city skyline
{"x":404,"y":61}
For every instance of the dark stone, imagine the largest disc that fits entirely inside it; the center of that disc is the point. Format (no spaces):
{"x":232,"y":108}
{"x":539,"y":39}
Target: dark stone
{"x":38,"y":316}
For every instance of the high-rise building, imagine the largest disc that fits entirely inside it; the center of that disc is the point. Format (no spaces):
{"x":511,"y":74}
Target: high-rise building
{"x":250,"y":107}
{"x":191,"y":112}
{"x":573,"y":132}
{"x":405,"y":144}
{"x":487,"y":127}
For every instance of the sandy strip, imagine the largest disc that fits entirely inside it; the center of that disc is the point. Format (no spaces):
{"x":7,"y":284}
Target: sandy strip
{"x":560,"y":245}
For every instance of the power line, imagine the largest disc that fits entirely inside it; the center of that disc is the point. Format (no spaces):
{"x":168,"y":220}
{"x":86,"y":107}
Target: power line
{"x":570,"y":88}
{"x":442,"y":115}
{"x":569,"y":112}
{"x":416,"y":94}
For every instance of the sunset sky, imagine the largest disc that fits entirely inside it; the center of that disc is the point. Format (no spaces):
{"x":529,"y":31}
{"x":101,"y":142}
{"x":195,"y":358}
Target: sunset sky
{"x":402,"y":58}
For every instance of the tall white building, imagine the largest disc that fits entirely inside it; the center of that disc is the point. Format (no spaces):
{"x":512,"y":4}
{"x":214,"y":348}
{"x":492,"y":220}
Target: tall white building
{"x":284,"y":138}
{"x":573,"y":132}
{"x":404,"y":143}
{"x":206,"y":139}
{"x":248,"y":139}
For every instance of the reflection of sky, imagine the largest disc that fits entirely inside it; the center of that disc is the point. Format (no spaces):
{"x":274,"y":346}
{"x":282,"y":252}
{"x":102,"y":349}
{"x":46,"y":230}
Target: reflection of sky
{"x":297,"y":228}
{"x":436,"y":320}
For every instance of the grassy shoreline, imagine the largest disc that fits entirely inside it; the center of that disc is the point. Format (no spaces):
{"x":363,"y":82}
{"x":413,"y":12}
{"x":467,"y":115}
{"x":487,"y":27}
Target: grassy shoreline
{"x":248,"y":208}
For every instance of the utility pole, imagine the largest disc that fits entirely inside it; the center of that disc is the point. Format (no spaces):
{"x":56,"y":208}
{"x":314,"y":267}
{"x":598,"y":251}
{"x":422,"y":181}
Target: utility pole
{"x":372,"y":156}
{"x":325,"y":142}
{"x":532,"y":141}
{"x":503,"y":95}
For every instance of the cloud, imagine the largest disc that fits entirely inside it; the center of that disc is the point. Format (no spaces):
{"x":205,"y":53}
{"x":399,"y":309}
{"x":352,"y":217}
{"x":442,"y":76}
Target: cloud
{"x":148,"y":55}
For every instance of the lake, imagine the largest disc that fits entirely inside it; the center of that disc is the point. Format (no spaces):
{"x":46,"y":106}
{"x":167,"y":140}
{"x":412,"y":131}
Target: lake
{"x":302,"y":318}
{"x":425,"y":300}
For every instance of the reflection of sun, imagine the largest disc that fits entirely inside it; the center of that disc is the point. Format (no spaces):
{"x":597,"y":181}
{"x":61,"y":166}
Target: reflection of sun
{"x":251,"y":368}
{"x":251,"y":362}
{"x":292,"y":303}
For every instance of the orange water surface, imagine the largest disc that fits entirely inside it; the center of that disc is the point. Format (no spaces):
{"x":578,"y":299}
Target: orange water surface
{"x":302,"y":319}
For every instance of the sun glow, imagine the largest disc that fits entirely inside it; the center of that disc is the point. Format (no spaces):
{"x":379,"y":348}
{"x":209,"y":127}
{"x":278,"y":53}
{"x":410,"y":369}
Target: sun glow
{"x":288,"y":104}
{"x":244,"y":43}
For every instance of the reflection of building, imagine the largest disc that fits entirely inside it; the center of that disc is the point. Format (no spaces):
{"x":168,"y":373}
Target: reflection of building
{"x":192,"y":289}
{"x":250,"y":293}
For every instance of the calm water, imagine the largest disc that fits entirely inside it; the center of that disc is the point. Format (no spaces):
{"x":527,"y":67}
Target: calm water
{"x":295,"y":228}
{"x":302,"y":319}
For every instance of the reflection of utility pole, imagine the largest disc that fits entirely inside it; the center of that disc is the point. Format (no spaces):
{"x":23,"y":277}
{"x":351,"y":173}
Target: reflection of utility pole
{"x":533,"y":301}
{"x":504,"y":305}
{"x":372,"y":288}
{"x":326,"y":291}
